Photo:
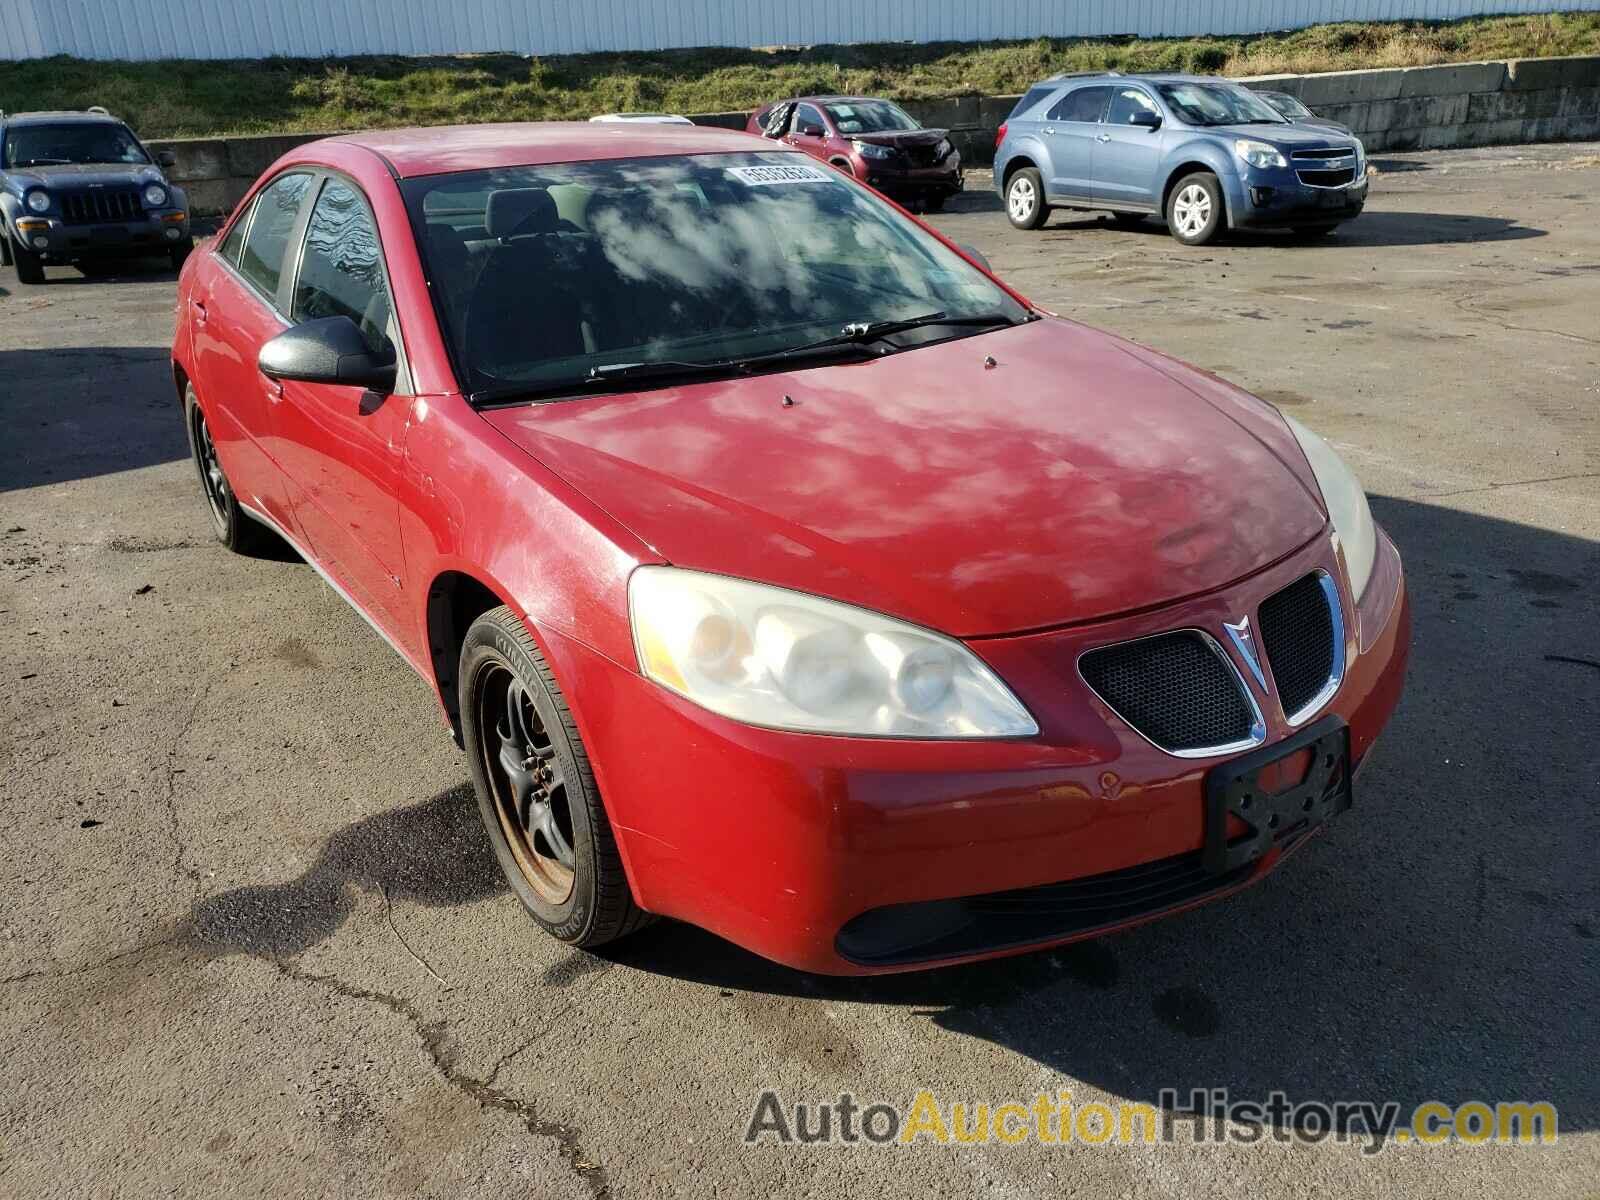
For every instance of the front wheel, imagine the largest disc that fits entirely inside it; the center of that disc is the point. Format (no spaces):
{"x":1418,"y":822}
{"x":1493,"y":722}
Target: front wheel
{"x":536,"y":792}
{"x":1025,"y":206}
{"x":1195,"y":209}
{"x":30,"y":267}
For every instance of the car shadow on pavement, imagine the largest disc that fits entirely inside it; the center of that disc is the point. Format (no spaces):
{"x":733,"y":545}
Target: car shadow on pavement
{"x":1438,"y":942}
{"x":1369,"y":229}
{"x":82,"y":411}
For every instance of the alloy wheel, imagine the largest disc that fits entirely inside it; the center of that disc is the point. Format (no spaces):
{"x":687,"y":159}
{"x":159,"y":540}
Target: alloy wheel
{"x":1021,"y":199}
{"x":529,"y":783}
{"x":212,"y":480}
{"x":1191,"y":212}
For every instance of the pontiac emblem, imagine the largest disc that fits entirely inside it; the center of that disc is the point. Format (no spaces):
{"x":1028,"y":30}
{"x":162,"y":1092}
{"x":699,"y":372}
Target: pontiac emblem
{"x":1245,"y":643}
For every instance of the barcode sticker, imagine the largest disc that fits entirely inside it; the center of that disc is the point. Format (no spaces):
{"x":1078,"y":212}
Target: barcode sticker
{"x":799,"y":173}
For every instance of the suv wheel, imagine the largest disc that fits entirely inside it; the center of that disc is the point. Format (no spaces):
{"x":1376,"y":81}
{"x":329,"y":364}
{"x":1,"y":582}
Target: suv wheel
{"x":1195,"y":209}
{"x":30,"y":267}
{"x":1025,"y":204}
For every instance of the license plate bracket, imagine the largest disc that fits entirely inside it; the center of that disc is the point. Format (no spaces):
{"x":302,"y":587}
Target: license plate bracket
{"x":1234,"y":790}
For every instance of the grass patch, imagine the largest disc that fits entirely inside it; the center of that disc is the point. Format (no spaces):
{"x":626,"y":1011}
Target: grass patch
{"x":190,"y":98}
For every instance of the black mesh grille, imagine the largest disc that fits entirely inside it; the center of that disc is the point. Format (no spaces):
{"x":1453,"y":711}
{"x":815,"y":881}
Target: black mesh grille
{"x":1336,"y":178}
{"x":101,"y":204}
{"x":1297,"y":635}
{"x":1175,"y":689}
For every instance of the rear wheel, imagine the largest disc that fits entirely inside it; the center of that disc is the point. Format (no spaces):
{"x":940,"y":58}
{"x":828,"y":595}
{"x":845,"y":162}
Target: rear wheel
{"x":536,"y":792}
{"x":233,"y":526}
{"x":30,"y":267}
{"x":1195,"y":211}
{"x":1025,"y":206}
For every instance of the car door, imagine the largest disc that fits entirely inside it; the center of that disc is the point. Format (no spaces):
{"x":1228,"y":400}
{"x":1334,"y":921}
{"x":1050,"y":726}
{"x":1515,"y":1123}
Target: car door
{"x":1126,"y":156}
{"x":1070,"y":129}
{"x":343,"y":445}
{"x":231,"y":314}
{"x":808,"y":131}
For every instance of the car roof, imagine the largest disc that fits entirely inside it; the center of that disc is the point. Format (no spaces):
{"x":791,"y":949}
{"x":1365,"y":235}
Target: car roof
{"x":439,"y":149}
{"x":65,"y":117}
{"x":1145,"y":76}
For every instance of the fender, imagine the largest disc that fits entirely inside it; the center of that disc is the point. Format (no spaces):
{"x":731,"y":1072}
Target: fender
{"x":1029,"y":146}
{"x":10,"y":210}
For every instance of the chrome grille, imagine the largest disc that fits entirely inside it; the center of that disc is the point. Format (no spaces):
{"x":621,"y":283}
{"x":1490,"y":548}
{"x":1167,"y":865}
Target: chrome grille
{"x":1178,"y":690}
{"x":1302,"y":635}
{"x":100,"y":204}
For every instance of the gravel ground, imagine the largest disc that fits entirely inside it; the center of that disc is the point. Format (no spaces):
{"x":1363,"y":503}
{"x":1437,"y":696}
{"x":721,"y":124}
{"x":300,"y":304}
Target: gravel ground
{"x":253,"y":941}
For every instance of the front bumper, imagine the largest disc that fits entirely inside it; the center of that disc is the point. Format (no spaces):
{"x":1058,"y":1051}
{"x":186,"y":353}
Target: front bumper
{"x":159,"y":231}
{"x":1275,"y":199}
{"x":780,"y":842}
{"x":918,"y":183}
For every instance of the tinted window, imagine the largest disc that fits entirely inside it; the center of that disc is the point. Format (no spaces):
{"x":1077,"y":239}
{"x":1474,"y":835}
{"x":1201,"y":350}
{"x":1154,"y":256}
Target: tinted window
{"x":341,"y":266}
{"x":276,"y":209}
{"x":1033,"y":97}
{"x":1128,"y":101}
{"x":1085,"y":104}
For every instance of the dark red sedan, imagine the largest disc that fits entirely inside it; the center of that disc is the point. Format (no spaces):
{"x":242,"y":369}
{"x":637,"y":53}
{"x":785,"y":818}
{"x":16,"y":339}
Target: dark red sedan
{"x":877,"y":141}
{"x":779,"y":569}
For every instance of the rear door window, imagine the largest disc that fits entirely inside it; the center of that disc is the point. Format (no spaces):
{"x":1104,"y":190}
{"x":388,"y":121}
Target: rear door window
{"x":1087,"y":105}
{"x":275,"y":212}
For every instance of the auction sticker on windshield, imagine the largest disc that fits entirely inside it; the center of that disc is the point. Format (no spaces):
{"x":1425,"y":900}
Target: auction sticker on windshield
{"x":757,"y":176}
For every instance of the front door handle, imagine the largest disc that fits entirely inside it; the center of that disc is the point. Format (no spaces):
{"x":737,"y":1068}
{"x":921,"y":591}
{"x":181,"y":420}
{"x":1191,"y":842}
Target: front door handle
{"x":199,"y":310}
{"x":1049,"y":128}
{"x":274,"y":391}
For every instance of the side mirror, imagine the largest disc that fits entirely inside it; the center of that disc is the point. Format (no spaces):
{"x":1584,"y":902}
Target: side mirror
{"x":327,"y":350}
{"x":811,"y":130}
{"x":166,"y":158}
{"x":1144,"y":119}
{"x":975,"y":255}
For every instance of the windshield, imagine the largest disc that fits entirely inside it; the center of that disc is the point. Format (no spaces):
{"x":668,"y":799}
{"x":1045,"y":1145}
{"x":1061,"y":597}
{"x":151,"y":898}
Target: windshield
{"x":870,"y":116}
{"x":1288,"y":105}
{"x":78,"y":142}
{"x":1218,"y":104}
{"x":548,"y":275}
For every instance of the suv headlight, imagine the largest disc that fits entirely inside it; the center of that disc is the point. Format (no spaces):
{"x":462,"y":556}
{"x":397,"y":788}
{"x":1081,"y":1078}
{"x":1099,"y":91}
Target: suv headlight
{"x":1361,"y":160}
{"x":39,"y":200}
{"x":787,"y":660}
{"x":155,"y":195}
{"x":873,"y":150}
{"x":942,"y":150}
{"x":1259,"y":154}
{"x":1347,"y":505}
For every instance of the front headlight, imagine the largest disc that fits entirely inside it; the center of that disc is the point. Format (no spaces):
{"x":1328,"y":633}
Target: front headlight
{"x":39,"y":201}
{"x":1347,"y":505}
{"x":155,"y":195}
{"x":1259,"y":154}
{"x":786,"y":660}
{"x":942,"y":150}
{"x":1361,"y":159}
{"x":873,"y":150}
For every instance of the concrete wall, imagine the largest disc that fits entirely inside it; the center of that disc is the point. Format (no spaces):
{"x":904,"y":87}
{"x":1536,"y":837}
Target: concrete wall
{"x":1415,"y":108}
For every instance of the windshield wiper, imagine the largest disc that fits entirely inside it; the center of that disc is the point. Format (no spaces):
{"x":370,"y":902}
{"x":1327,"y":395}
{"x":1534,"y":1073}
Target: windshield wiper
{"x":45,"y":162}
{"x":606,"y":377}
{"x":860,"y":333}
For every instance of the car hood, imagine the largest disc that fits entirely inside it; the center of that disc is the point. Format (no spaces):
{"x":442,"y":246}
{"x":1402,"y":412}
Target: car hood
{"x":901,"y":137}
{"x":91,"y":174}
{"x":1288,"y":137}
{"x":1077,"y":477}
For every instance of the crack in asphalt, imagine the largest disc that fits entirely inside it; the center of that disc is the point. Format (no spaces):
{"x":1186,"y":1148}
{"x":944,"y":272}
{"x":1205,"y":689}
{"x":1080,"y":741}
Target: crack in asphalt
{"x":86,"y":968}
{"x":1466,"y":306}
{"x":433,"y":1035}
{"x":170,"y":800}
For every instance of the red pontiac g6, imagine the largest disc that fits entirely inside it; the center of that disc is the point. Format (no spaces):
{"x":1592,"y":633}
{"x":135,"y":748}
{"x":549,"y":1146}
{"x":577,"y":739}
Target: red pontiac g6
{"x":778,"y":568}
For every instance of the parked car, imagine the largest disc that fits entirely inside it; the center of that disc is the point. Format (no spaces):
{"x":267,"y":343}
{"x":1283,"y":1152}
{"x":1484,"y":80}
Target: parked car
{"x":1292,"y":108}
{"x":646,"y":118}
{"x":875,"y":140}
{"x":1204,"y":154}
{"x":779,"y":569}
{"x":80,"y":187}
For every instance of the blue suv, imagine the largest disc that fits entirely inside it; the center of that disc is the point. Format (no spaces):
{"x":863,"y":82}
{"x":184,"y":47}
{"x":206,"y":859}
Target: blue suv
{"x":1205,"y":154}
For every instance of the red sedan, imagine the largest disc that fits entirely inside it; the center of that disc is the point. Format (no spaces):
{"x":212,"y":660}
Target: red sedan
{"x":778,"y":568}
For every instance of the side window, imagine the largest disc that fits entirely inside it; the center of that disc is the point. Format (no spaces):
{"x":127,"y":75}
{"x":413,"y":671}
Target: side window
{"x":807,"y":118}
{"x":276,"y":210}
{"x":1087,"y":105}
{"x":1128,"y":101}
{"x":235,"y":239}
{"x":341,"y":267}
{"x":1034,"y":96}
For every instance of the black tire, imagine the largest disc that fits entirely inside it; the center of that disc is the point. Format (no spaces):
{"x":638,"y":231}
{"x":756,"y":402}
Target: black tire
{"x":30,"y":267}
{"x":531,"y":773}
{"x":179,"y":254}
{"x":1188,"y":219}
{"x":234,"y":527}
{"x":1129,"y":220}
{"x":5,"y":249}
{"x":1023,"y":184}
